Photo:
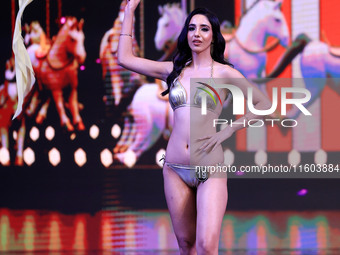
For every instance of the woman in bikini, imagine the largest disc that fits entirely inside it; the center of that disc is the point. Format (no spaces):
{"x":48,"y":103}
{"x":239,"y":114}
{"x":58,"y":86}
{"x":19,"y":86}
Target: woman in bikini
{"x":196,"y":205}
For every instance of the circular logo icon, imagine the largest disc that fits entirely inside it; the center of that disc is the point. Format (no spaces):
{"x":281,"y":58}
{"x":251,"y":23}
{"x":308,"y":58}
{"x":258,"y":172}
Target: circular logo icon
{"x":202,"y":175}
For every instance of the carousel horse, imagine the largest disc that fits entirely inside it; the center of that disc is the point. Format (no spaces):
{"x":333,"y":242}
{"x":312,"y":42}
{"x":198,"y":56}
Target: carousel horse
{"x":56,"y":67}
{"x":38,"y":46}
{"x":246,"y":49}
{"x":152,"y":118}
{"x":319,"y":64}
{"x":8,"y":103}
{"x":169,"y":26}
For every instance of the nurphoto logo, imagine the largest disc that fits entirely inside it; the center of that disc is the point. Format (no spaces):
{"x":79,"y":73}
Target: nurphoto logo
{"x":239,"y":102}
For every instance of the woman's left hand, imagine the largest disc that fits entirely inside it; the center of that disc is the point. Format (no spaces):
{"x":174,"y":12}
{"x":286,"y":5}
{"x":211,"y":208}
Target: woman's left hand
{"x":213,"y":141}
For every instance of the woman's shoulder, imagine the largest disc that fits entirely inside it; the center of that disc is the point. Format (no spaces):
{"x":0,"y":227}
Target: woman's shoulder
{"x":226,"y":71}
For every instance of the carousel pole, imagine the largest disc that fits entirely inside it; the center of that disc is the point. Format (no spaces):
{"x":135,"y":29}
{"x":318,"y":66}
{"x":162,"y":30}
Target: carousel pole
{"x":192,"y":5}
{"x":13,"y":19}
{"x":244,"y":7}
{"x":184,"y":6}
{"x":13,"y":15}
{"x":48,"y":18}
{"x":141,"y":29}
{"x":59,"y":11}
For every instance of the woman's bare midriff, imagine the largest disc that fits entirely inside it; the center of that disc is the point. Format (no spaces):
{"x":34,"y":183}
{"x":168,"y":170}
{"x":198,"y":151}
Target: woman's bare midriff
{"x":189,"y":125}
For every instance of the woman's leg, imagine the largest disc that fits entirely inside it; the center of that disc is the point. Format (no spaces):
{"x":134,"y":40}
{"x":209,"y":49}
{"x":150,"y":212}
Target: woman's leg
{"x":212,"y":197}
{"x":181,"y":201}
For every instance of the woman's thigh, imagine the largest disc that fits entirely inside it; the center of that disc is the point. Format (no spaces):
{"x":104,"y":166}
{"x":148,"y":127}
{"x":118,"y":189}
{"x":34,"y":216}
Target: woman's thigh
{"x":181,"y":201}
{"x":212,"y":197}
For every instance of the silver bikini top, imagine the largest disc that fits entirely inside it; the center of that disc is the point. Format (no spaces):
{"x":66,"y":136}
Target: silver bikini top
{"x":178,"y":95}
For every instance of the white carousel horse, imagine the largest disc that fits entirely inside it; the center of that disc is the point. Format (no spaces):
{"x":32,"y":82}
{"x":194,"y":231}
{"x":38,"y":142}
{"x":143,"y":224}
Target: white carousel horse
{"x":319,"y":65}
{"x":169,"y":25}
{"x":246,"y":50}
{"x":151,"y":118}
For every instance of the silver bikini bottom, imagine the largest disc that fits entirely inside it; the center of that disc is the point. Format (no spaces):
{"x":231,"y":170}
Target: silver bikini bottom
{"x":189,"y":174}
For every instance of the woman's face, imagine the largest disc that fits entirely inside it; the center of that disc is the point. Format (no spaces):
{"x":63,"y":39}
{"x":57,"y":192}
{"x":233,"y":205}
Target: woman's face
{"x":199,"y":33}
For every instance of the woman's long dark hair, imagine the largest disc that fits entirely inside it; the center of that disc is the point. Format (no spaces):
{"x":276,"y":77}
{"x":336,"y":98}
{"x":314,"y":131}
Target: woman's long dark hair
{"x":183,"y":54}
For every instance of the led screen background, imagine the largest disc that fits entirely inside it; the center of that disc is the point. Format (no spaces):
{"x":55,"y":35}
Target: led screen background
{"x":74,"y":173}
{"x":121,"y":128}
{"x":120,"y":131}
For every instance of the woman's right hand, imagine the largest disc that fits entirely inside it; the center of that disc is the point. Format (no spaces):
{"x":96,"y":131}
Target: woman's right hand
{"x":132,"y":5}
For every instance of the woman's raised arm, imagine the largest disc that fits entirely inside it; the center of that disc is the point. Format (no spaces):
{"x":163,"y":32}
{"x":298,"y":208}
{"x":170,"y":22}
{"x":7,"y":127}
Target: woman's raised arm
{"x":147,"y":67}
